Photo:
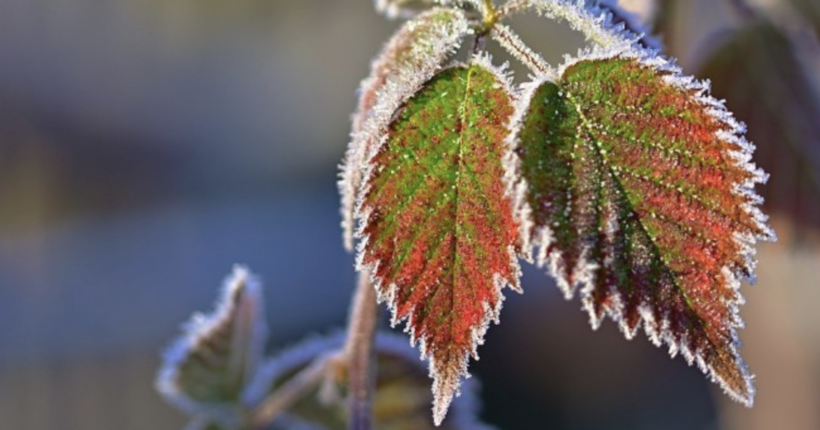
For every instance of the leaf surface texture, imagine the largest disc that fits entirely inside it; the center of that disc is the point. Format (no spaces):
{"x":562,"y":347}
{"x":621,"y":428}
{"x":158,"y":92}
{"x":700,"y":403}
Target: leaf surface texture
{"x":641,"y":193}
{"x":437,"y":217}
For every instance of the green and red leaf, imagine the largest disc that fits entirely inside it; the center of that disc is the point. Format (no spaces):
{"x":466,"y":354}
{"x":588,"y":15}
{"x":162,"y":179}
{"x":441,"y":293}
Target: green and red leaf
{"x":439,"y":231}
{"x":770,"y":84}
{"x":641,"y":192}
{"x":413,"y":55}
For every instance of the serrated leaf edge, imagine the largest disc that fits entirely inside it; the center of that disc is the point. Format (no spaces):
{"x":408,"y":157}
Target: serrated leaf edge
{"x":616,"y":41}
{"x":443,"y":393}
{"x":397,"y":89}
{"x":201,"y":325}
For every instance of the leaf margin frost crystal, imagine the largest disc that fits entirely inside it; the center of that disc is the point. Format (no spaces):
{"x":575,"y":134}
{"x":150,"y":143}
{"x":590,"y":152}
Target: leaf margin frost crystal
{"x":412,"y":56}
{"x":239,"y":320}
{"x":611,"y":38}
{"x":615,"y":41}
{"x":448,"y":356}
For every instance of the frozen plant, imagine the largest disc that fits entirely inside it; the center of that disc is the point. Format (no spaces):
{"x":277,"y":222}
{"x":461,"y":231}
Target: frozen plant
{"x":621,"y":176}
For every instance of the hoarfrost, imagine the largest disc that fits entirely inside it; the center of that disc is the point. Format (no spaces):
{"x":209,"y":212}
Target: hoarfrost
{"x":613,"y":38}
{"x":411,"y":57}
{"x":240,"y":311}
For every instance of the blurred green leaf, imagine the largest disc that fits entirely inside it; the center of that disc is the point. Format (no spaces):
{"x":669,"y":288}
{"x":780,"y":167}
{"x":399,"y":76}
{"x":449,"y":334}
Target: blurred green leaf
{"x":664,"y":22}
{"x":206,"y":370}
{"x":769,"y":87}
{"x":401,"y":402}
{"x":810,"y":11}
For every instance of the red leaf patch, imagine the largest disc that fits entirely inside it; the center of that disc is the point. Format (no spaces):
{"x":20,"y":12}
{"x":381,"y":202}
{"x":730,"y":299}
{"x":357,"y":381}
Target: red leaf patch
{"x":438,"y":224}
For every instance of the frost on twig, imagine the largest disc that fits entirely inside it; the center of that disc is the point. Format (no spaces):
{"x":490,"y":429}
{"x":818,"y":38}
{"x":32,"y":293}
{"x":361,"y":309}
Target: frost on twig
{"x":513,"y":44}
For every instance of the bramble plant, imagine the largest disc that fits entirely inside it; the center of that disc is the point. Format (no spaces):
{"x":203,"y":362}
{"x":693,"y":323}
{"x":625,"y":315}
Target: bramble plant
{"x":616,"y":172}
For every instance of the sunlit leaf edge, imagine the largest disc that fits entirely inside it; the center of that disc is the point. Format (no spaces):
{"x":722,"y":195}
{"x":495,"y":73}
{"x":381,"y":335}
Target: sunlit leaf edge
{"x":199,"y":327}
{"x":391,"y":83}
{"x":540,"y":238}
{"x":444,"y":392}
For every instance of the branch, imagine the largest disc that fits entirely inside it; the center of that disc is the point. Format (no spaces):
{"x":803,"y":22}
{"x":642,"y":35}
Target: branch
{"x":512,"y":43}
{"x":359,"y":353}
{"x":293,"y":390}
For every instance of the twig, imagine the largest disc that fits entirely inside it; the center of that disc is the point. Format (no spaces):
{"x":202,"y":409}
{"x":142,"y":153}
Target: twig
{"x":512,"y":43}
{"x":512,"y":7}
{"x":360,"y":355}
{"x":293,"y":390}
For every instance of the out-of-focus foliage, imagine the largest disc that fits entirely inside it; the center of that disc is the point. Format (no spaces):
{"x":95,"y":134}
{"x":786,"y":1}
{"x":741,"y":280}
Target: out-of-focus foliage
{"x":214,"y":373}
{"x":401,"y":400}
{"x":767,"y":84}
{"x":810,"y":11}
{"x":207,"y":370}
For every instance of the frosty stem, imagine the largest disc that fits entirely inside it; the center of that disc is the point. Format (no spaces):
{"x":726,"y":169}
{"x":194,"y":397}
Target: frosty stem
{"x":293,"y":390}
{"x":360,"y":356}
{"x":357,"y":354}
{"x":490,"y":15}
{"x":512,"y":7}
{"x":512,"y":43}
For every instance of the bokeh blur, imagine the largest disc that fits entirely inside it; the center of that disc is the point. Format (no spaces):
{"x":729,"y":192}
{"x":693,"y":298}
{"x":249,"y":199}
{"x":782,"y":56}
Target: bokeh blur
{"x":148,"y":145}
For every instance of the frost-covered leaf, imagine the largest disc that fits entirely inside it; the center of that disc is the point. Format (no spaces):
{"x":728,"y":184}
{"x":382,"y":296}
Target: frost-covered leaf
{"x":207,"y":369}
{"x":769,"y":85}
{"x":401,"y":399}
{"x":641,"y":192}
{"x":437,"y":217}
{"x":412,"y":56}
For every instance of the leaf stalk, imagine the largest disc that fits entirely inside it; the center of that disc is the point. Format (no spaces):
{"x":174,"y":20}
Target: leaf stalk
{"x":359,"y":353}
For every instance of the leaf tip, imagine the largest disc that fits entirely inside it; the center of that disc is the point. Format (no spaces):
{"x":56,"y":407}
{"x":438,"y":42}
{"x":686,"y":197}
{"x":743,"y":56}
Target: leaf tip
{"x":217,"y":351}
{"x":445,"y":387}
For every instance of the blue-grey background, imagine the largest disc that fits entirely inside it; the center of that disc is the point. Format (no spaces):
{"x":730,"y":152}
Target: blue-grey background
{"x":148,"y":145}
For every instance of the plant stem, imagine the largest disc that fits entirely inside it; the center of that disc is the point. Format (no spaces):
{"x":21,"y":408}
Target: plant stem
{"x":512,"y":7}
{"x":293,"y":390}
{"x":360,"y":355}
{"x":512,"y":43}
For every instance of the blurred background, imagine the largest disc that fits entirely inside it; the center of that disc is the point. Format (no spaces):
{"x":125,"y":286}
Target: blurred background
{"x":148,"y":145}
